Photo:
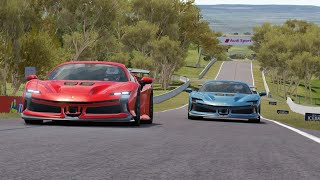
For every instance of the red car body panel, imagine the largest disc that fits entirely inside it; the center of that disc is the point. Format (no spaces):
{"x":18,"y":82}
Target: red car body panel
{"x":84,"y":102}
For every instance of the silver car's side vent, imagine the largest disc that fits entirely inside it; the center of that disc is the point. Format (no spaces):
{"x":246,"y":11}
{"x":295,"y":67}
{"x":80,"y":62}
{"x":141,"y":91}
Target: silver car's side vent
{"x":229,"y":94}
{"x":219,"y":94}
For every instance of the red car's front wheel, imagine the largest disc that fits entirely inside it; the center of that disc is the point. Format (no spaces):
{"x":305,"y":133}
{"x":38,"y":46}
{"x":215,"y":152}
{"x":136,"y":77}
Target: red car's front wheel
{"x":33,"y":121}
{"x":137,"y":111}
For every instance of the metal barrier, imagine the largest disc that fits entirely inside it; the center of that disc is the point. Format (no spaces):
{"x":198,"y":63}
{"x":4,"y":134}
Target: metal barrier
{"x":300,"y":108}
{"x":266,"y":84}
{"x":205,"y":70}
{"x":163,"y":97}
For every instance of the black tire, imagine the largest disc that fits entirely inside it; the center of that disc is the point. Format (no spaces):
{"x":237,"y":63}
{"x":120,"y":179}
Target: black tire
{"x":150,"y":109}
{"x":255,"y":120}
{"x":137,"y":111}
{"x":194,"y":117}
{"x":33,"y":121}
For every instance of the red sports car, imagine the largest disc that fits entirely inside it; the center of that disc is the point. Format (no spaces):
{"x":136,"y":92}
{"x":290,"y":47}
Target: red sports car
{"x":88,"y":91}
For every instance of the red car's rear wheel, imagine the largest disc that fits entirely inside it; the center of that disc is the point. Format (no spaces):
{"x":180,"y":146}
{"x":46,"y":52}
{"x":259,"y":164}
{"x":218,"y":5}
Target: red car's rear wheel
{"x":150,"y":109}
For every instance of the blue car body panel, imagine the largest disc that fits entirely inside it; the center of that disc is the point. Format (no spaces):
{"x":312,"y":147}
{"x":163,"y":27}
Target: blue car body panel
{"x":220,"y":105}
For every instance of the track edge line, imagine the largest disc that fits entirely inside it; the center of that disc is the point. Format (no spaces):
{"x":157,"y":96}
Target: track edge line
{"x":172,"y":109}
{"x":307,"y":135}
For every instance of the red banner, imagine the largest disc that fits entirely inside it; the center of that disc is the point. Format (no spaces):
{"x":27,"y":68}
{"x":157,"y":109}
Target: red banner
{"x":11,"y":104}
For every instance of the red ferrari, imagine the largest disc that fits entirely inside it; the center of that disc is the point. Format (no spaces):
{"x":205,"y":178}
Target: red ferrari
{"x":88,"y":91}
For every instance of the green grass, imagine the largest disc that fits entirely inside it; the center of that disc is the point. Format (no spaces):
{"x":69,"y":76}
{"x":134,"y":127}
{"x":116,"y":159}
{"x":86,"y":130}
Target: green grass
{"x":270,"y":111}
{"x":177,"y":101}
{"x":157,"y":90}
{"x":182,"y":98}
{"x":293,"y":119}
{"x":240,"y":50}
{"x":189,"y":70}
{"x":300,"y":93}
{"x":192,"y":58}
{"x":213,"y":71}
{"x":9,"y":115}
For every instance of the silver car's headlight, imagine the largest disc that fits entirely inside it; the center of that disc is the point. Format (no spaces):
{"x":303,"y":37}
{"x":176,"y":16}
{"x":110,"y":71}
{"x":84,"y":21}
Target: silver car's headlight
{"x":194,"y":100}
{"x":253,"y":102}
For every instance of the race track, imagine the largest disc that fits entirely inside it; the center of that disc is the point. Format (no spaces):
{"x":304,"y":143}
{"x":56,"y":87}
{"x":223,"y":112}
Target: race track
{"x":172,"y":148}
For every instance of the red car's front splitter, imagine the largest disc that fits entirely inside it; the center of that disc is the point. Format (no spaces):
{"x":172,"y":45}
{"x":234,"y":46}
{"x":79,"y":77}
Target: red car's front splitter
{"x":120,"y":117}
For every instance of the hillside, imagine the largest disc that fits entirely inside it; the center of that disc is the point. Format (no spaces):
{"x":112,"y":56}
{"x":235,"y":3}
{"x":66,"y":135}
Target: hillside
{"x":242,"y":18}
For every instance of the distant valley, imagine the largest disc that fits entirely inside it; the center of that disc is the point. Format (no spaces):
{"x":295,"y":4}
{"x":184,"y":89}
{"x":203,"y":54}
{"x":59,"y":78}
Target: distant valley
{"x":240,"y":19}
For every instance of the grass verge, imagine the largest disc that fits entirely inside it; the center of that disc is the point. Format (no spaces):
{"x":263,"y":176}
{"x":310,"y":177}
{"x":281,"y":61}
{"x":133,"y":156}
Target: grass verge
{"x":270,"y":111}
{"x":175,"y":102}
{"x":240,"y":50}
{"x":9,"y":115}
{"x":213,"y":71}
{"x":189,"y":70}
{"x":157,"y":90}
{"x":182,"y":98}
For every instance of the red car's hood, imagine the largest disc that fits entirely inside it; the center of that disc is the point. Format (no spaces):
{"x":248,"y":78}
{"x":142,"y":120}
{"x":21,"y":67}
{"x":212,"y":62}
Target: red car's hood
{"x":76,"y":87}
{"x":59,"y":90}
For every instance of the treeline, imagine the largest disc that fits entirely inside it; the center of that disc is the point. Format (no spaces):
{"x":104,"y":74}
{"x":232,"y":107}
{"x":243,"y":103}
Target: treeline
{"x":148,"y":34}
{"x":290,"y":54}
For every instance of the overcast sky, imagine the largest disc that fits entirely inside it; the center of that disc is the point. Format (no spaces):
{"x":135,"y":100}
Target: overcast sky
{"x":259,"y":2}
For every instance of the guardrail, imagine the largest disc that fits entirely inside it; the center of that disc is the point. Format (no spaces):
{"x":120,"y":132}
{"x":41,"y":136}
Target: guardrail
{"x":165,"y":96}
{"x":300,"y":108}
{"x":265,"y":84}
{"x":205,"y":70}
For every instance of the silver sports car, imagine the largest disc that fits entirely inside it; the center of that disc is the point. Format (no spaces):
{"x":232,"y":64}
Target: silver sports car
{"x":220,"y":99}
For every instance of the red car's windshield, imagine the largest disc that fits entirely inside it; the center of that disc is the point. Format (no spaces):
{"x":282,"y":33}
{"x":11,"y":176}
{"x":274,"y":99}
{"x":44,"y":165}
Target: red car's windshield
{"x":91,"y":72}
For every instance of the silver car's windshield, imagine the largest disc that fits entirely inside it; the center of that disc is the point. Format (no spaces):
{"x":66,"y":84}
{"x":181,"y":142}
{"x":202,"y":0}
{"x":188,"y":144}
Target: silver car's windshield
{"x":226,"y":87}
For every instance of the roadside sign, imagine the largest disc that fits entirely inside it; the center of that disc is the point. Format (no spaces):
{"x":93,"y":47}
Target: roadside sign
{"x":312,"y":117}
{"x":236,"y":41}
{"x":29,"y":71}
{"x":282,"y":112}
{"x":272,"y":103}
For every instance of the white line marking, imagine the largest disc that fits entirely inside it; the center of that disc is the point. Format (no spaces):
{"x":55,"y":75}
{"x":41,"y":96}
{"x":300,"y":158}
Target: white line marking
{"x":252,"y":74}
{"x":309,"y":136}
{"x":172,"y":109}
{"x":219,"y":71}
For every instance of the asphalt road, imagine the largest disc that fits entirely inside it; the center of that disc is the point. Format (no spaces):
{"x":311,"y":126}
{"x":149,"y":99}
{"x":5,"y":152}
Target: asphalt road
{"x":236,"y":70}
{"x":172,"y":148}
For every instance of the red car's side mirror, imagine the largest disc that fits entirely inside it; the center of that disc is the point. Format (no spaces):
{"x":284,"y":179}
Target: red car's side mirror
{"x":146,"y":80}
{"x":30,"y":77}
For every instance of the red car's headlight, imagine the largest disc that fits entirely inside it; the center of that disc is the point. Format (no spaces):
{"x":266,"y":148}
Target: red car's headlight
{"x":33,"y":91}
{"x":120,"y":93}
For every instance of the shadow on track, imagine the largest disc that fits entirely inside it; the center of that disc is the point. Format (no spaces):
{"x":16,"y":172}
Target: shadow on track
{"x":95,"y":124}
{"x":231,"y":121}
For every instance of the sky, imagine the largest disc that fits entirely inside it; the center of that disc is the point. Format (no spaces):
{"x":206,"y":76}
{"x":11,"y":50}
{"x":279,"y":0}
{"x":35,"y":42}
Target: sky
{"x":260,"y":2}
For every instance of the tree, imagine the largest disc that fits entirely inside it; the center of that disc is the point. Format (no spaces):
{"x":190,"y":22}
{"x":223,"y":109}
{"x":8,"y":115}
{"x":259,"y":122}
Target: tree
{"x":83,"y":23}
{"x":168,"y":57}
{"x":290,"y":52}
{"x":139,"y":37}
{"x":16,"y":18}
